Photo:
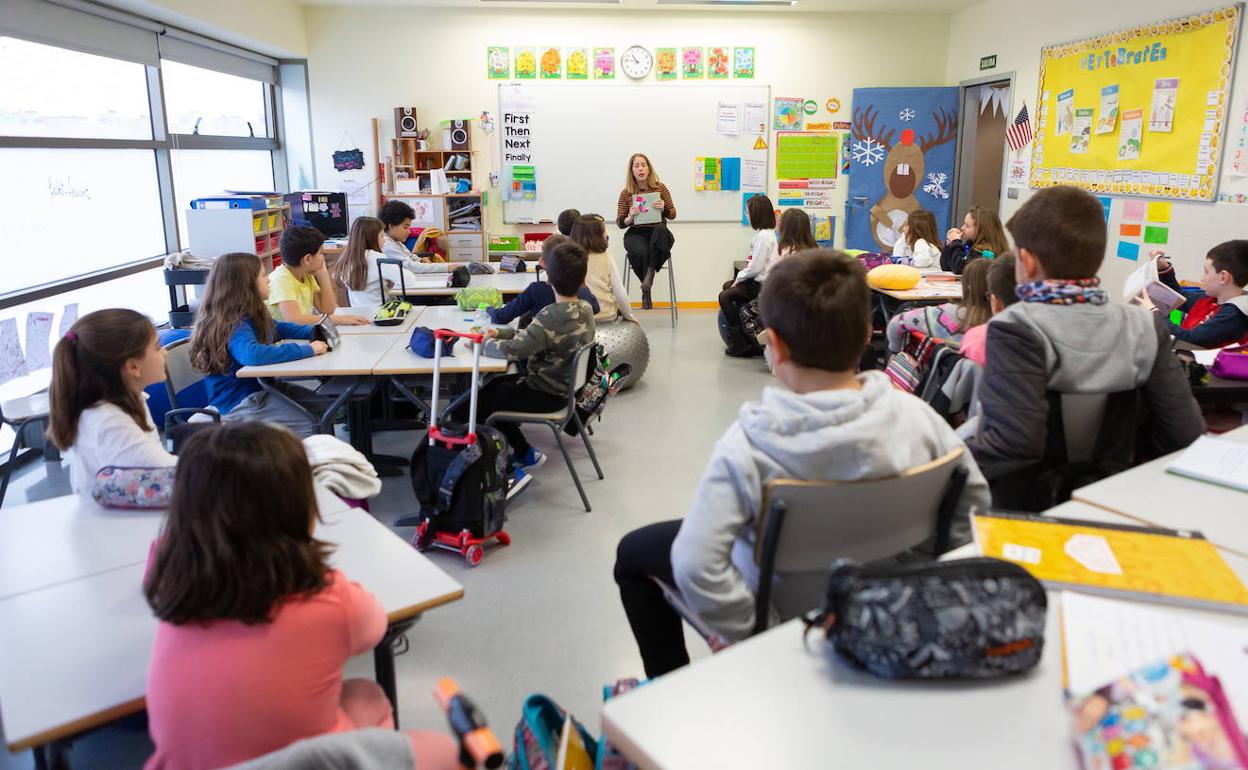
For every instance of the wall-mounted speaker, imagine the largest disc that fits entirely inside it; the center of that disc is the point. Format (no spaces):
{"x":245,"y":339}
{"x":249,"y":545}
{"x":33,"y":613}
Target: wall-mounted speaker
{"x":405,"y":123}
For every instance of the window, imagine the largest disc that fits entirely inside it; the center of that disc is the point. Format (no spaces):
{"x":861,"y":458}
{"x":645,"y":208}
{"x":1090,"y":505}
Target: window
{"x":68,"y":212}
{"x":202,"y":173}
{"x":54,"y":92}
{"x":200,"y":101}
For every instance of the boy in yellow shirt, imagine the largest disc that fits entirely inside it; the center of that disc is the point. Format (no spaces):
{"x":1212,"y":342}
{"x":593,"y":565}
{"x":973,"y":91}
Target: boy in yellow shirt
{"x":300,"y":289}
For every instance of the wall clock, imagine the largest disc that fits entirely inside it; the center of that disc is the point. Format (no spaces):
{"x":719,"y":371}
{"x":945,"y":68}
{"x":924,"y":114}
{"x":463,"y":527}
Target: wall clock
{"x":636,"y":62}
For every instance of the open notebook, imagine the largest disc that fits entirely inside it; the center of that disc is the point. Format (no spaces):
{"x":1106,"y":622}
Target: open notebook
{"x":1215,"y":460}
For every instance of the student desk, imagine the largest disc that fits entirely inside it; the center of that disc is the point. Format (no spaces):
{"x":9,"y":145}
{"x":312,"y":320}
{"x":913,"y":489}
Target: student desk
{"x":368,"y":311}
{"x":435,"y":285}
{"x":55,"y":682}
{"x":1149,"y":494}
{"x":927,"y":291}
{"x":773,"y":701}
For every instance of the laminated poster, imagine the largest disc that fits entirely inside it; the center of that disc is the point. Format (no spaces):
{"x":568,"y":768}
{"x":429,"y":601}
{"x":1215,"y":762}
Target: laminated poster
{"x":1081,"y":132}
{"x":755,"y":118}
{"x":498,"y":62}
{"x":1107,"y":121}
{"x":604,"y":64}
{"x":1065,"y":111}
{"x":665,"y":64}
{"x":717,"y":64}
{"x":526,"y":62}
{"x":1130,"y":134}
{"x":691,"y":63}
{"x":552,"y":63}
{"x":1161,"y":114}
{"x":576,"y":63}
{"x":787,"y":113}
{"x":743,"y":63}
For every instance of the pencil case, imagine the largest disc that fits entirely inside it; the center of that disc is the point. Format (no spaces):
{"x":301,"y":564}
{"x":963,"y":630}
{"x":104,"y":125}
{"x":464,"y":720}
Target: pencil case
{"x":133,"y":487}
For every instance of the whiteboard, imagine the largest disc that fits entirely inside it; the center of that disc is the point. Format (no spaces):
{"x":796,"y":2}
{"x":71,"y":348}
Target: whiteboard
{"x":582,"y":137}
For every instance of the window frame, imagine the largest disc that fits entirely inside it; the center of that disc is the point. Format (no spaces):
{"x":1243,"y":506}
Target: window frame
{"x":161,"y":144}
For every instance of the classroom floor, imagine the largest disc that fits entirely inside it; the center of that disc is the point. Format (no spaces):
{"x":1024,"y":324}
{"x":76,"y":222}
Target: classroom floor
{"x":542,"y":615}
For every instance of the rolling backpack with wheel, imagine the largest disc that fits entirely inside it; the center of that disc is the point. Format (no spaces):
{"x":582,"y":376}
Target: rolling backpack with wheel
{"x":460,"y":473}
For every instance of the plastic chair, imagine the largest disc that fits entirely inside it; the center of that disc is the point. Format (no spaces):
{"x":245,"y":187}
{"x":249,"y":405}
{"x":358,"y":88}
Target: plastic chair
{"x":671,"y":283}
{"x":561,"y":418}
{"x":180,"y":375}
{"x":805,"y":525}
{"x":18,"y":414}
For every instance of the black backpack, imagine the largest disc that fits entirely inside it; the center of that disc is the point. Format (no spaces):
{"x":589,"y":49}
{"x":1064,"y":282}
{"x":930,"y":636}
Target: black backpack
{"x":462,"y":487}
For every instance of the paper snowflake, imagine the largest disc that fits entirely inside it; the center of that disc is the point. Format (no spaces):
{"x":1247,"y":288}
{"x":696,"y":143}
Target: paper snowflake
{"x":935,"y":186}
{"x":906,"y":115}
{"x":868,"y":152}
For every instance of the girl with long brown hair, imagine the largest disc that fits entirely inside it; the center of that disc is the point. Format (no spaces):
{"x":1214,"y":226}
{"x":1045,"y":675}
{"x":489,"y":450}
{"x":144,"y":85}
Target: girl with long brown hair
{"x":918,"y":240}
{"x":98,"y":411}
{"x":745,"y":285}
{"x":602,"y":277}
{"x":948,"y":321}
{"x":648,"y":245}
{"x":981,"y":232}
{"x":357,"y":268}
{"x":793,"y":234}
{"x":233,"y":329}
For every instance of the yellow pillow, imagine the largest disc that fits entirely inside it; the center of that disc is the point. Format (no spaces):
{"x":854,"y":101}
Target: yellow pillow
{"x":895,"y":277}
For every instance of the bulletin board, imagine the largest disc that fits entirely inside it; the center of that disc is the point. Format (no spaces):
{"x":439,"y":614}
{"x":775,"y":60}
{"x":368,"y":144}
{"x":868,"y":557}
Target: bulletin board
{"x":1165,"y":139}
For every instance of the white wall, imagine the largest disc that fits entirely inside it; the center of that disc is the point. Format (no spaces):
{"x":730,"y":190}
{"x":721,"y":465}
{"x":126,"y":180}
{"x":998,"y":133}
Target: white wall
{"x":364,"y":62}
{"x":1019,"y":31}
{"x":272,"y":27}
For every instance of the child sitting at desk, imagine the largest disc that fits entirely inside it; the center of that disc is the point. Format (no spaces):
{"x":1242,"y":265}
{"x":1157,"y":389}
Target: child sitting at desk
{"x":918,"y":240}
{"x":302,"y":291}
{"x":1219,"y":318}
{"x":950,"y":320}
{"x":548,"y":346}
{"x":233,"y":329}
{"x":980,"y":232}
{"x":1001,"y":285}
{"x":98,"y":411}
{"x":537,"y":294}
{"x":357,"y":268}
{"x":397,"y":217}
{"x":829,"y":423}
{"x":602,"y":277}
{"x":564,"y":223}
{"x":255,"y":625}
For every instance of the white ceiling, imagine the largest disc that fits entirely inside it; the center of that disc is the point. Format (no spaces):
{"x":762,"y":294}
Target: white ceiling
{"x":802,"y":6}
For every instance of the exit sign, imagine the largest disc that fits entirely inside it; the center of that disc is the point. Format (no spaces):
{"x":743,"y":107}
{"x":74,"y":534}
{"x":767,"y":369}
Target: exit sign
{"x":988,"y":62}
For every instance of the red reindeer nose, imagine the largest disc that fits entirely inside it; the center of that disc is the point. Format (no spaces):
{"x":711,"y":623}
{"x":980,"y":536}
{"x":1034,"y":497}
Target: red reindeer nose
{"x":907,"y":137}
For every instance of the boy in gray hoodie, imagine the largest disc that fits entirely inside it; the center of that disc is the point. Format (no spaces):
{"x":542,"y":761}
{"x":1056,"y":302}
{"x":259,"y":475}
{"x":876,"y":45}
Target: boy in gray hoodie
{"x":830,"y":423}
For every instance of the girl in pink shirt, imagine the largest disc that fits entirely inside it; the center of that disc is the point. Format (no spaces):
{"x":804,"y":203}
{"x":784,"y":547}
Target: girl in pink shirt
{"x":1001,"y":284}
{"x":255,"y":626}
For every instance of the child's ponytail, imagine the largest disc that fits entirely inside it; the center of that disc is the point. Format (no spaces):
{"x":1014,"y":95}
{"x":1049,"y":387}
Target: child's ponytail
{"x":86,"y":369}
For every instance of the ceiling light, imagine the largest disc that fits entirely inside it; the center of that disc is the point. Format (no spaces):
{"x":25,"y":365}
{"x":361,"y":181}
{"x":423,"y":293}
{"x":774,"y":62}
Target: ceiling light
{"x":727,"y":2}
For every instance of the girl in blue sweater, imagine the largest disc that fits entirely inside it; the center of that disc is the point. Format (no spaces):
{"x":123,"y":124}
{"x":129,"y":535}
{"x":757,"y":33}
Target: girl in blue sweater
{"x":233,"y":329}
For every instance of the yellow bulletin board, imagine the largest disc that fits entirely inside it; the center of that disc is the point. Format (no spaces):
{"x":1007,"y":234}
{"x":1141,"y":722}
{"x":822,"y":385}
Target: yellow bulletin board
{"x":1165,"y":139}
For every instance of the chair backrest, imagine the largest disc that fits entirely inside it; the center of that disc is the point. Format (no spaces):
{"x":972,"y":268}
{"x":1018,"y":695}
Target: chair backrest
{"x":1082,"y":417}
{"x":805,"y":525}
{"x":579,"y":374}
{"x":179,"y":374}
{"x":381,"y":274}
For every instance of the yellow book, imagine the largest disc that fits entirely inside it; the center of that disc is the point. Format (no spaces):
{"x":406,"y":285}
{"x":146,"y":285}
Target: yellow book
{"x":1170,"y":566}
{"x":572,"y":752}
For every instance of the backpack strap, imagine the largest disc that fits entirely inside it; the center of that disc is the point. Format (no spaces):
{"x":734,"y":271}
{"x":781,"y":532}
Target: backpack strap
{"x":462,"y":462}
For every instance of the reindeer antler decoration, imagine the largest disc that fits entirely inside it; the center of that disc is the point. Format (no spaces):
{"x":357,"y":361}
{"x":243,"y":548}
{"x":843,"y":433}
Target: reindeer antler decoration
{"x":864,"y":128}
{"x":946,"y":130}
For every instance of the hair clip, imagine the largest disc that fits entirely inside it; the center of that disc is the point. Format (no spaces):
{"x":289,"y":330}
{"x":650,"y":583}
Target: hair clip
{"x":71,"y":336}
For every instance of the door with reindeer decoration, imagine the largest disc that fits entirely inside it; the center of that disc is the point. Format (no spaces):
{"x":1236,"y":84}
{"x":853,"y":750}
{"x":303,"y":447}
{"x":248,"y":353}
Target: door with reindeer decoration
{"x":902,"y":158}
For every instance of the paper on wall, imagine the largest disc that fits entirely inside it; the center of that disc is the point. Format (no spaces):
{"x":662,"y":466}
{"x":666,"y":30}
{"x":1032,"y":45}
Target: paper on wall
{"x":1107,"y":120}
{"x":728,"y":119}
{"x":1065,"y":111}
{"x":12,"y":362}
{"x":1081,"y":132}
{"x":1161,"y":114}
{"x":38,"y":333}
{"x":753,"y":174}
{"x":1130,"y":134}
{"x":68,"y":317}
{"x":754,"y":118}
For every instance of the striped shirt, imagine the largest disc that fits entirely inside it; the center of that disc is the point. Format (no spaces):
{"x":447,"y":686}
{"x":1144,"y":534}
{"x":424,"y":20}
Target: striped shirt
{"x":625,"y":203}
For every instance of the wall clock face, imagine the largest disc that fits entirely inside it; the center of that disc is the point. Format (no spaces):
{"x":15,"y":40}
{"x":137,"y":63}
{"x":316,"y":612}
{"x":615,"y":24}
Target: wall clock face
{"x":636,"y":62}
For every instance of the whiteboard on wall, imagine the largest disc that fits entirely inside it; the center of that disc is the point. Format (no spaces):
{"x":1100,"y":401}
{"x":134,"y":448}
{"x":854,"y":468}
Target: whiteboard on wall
{"x":582,"y":136}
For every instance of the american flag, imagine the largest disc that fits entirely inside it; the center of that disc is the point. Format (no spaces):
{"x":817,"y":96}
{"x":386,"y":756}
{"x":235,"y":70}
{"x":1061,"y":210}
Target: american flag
{"x":1019,"y":134}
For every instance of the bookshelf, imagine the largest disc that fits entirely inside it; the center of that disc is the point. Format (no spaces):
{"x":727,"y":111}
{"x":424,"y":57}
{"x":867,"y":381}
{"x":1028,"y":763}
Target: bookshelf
{"x":454,"y":214}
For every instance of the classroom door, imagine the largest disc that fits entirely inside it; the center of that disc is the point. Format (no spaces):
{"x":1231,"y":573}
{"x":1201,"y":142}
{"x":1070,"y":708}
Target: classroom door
{"x":981,"y":146}
{"x":901,"y":159}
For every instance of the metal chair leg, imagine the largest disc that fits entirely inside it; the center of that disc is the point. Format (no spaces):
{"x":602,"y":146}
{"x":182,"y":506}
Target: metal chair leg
{"x":584,"y":432}
{"x":571,"y":468}
{"x":671,"y":289}
{"x":20,"y":430}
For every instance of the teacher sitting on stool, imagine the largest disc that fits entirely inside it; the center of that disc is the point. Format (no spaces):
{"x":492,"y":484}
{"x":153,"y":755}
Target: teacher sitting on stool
{"x":647,"y":243}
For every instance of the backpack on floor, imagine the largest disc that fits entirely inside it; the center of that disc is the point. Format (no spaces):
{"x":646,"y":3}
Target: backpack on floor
{"x":538,"y":733}
{"x":603,"y":382}
{"x":751,"y":319}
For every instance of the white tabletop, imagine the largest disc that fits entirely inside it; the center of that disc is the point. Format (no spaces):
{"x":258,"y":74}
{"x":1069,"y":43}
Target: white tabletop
{"x":368,"y":311}
{"x":927,"y":290}
{"x":356,"y":355}
{"x":401,"y":360}
{"x":435,"y":286}
{"x":74,"y":653}
{"x":1150,"y":494}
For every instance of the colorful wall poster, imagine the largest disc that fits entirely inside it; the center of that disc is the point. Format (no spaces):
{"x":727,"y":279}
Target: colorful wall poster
{"x":526,"y":62}
{"x":787,"y":113}
{"x":1158,"y":211}
{"x":665,"y":64}
{"x":498,"y":62}
{"x":1131,"y":134}
{"x":1065,"y":111}
{"x":1128,"y":250}
{"x":1106,"y":203}
{"x":691,"y":63}
{"x":1107,"y":121}
{"x":743,"y":62}
{"x":604,"y":64}
{"x":1081,"y":130}
{"x":1133,"y":211}
{"x":807,"y":155}
{"x":730,"y":173}
{"x":552,"y":63}
{"x":706,"y":174}
{"x":576,"y":63}
{"x":718,"y":66}
{"x":1165,"y":97}
{"x":1157,"y":234}
{"x":844,"y":153}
